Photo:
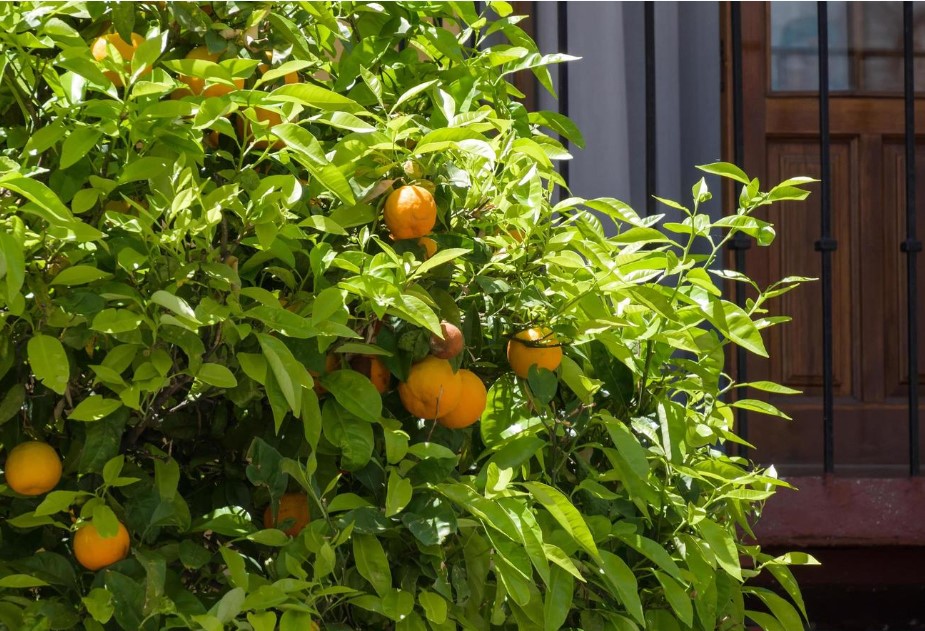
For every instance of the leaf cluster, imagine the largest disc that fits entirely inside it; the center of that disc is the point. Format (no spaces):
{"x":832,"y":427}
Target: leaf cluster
{"x":186,"y":279}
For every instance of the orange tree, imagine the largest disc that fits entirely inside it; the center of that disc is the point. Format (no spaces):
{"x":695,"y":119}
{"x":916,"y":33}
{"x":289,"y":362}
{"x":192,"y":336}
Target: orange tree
{"x":236,"y":251}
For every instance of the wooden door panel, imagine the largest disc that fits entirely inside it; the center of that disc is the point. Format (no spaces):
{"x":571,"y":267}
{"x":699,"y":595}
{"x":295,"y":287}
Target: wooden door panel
{"x":895,"y":327}
{"x":796,"y":344}
{"x":796,"y":356}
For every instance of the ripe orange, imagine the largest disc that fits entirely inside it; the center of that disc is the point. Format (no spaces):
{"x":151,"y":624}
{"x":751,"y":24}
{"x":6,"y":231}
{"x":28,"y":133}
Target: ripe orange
{"x":100,"y":51}
{"x":537,"y":346}
{"x":410,"y":212}
{"x":196,"y":84}
{"x":432,"y":388}
{"x":95,"y":552}
{"x":375,"y":369}
{"x":429,"y":245}
{"x":293,"y":509}
{"x":471,"y":403}
{"x":32,"y":468}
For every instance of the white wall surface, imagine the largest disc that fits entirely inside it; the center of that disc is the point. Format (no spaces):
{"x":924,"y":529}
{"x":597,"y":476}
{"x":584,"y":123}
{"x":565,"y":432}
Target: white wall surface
{"x":607,"y":95}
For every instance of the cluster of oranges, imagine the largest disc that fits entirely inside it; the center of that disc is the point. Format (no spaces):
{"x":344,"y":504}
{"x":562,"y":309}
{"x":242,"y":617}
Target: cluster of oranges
{"x":458,"y":399}
{"x":34,"y":468}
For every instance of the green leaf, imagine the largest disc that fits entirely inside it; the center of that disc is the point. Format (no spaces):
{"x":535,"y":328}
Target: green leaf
{"x":49,"y":362}
{"x":412,"y":92}
{"x":105,"y":522}
{"x":652,"y":550}
{"x":113,"y":468}
{"x":766,"y":621}
{"x":769,"y":386}
{"x":49,"y":206}
{"x":565,"y":513}
{"x":434,"y":606}
{"x":11,"y":252}
{"x":315,"y":96}
{"x":725,"y":169}
{"x":677,"y":597}
{"x":574,"y":377}
{"x":398,"y":494}
{"x":543,"y":384}
{"x":254,"y":366}
{"x":175,"y":304}
{"x":355,"y":392}
{"x":262,"y":621}
{"x":235,"y":564}
{"x":558,"y":600}
{"x":352,"y":435}
{"x":216,"y":375}
{"x":733,"y":322}
{"x":166,"y":478}
{"x":762,"y":407}
{"x":142,"y":169}
{"x":556,"y":555}
{"x":94,"y":408}
{"x":723,"y":546}
{"x":438,"y":259}
{"x":21,"y":581}
{"x":78,"y":275}
{"x":12,"y":402}
{"x":622,"y":583}
{"x":229,"y":606}
{"x":415,"y":310}
{"x":294,"y":620}
{"x":372,"y":563}
{"x":560,"y":124}
{"x":285,"y":369}
{"x":57,"y":501}
{"x":782,"y":610}
{"x":785,"y":577}
{"x":628,"y":444}
{"x":99,"y":604}
{"x":78,"y":144}
{"x":506,"y":415}
{"x":310,"y":153}
{"x":116,"y":321}
{"x":397,"y":604}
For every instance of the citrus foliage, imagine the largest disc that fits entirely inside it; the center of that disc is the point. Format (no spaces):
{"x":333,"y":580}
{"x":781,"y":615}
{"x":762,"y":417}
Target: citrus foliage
{"x":196,"y":285}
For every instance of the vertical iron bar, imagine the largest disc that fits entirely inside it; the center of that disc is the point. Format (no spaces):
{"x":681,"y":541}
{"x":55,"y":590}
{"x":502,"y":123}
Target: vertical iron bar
{"x":478,"y":9}
{"x":651,"y":164}
{"x":562,"y":37}
{"x":826,"y":244}
{"x":740,"y":242}
{"x":911,"y":246}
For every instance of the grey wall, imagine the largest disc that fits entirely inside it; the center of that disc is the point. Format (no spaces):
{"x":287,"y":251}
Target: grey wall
{"x":607,"y":95}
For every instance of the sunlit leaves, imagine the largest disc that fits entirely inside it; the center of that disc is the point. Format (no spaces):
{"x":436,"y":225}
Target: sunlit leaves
{"x":190,"y":285}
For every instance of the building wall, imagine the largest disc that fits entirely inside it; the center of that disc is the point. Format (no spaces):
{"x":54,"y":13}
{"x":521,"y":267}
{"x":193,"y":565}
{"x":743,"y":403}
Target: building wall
{"x":607,"y":95}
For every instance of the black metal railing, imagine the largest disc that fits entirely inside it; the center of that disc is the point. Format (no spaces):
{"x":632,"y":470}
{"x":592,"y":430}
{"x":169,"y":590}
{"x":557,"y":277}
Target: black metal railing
{"x":911,"y":246}
{"x":740,"y":242}
{"x":826,"y":244}
{"x":651,"y":118}
{"x":562,"y":41}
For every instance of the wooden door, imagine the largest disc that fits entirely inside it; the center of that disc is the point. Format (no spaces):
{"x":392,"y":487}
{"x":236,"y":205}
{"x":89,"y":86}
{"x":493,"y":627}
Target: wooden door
{"x":867,"y":192}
